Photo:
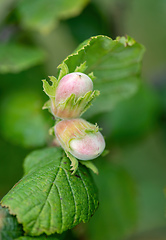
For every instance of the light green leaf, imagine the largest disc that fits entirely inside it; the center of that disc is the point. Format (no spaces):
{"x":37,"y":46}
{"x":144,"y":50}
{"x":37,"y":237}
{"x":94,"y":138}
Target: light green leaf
{"x":47,"y":105}
{"x":74,"y":162}
{"x":42,"y":15}
{"x":91,"y":75}
{"x":79,"y":105}
{"x":116,"y":64}
{"x":48,"y":198}
{"x":50,"y":89}
{"x":22,"y":120}
{"x":9,"y":227}
{"x":64,"y":70}
{"x":88,"y":100}
{"x":15,"y":57}
{"x":81,"y":68}
{"x":90,"y":165}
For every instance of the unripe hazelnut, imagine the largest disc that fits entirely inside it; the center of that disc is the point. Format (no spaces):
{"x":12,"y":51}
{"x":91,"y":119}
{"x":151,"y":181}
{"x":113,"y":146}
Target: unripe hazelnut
{"x":73,"y":83}
{"x":79,"y":137}
{"x":76,"y":84}
{"x":88,"y":147}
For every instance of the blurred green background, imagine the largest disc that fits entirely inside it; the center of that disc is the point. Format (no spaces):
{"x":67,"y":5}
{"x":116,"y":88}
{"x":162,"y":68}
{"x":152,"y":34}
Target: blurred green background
{"x":35,"y":36}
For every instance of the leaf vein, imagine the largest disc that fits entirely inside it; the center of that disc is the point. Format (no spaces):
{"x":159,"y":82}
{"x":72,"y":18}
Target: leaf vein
{"x":46,"y":198}
{"x":88,"y":196}
{"x":60,"y":204}
{"x":72,"y":195}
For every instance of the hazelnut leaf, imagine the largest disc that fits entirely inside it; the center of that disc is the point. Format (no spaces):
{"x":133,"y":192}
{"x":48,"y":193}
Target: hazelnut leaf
{"x":116,"y":64}
{"x":43,"y":237}
{"x":44,"y":16}
{"x":48,"y":199}
{"x":9,"y":227}
{"x":22,"y":122}
{"x":16,"y":57}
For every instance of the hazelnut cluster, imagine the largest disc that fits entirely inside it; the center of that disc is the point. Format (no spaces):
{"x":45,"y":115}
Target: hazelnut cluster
{"x":69,"y":99}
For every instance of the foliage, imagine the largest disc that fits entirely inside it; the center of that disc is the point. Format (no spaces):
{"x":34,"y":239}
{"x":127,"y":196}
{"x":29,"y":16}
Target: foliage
{"x":12,"y":57}
{"x":57,"y":201}
{"x":117,"y":203}
{"x":37,"y":36}
{"x":44,"y":16}
{"x":117,"y":68}
{"x":27,"y":131}
{"x":9,"y":227}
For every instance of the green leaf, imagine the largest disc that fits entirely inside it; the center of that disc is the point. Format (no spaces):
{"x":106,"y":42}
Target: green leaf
{"x":43,"y":237}
{"x":47,"y":105}
{"x":155,"y":14}
{"x":81,"y":68}
{"x":117,"y":215}
{"x":10,"y":164}
{"x":90,"y":164}
{"x":48,"y":198}
{"x":91,"y":75}
{"x":64,"y":70}
{"x":133,"y":117}
{"x":37,"y":238}
{"x":79,"y":105}
{"x":43,"y":16}
{"x":50,"y":89}
{"x":116,"y":64}
{"x":15,"y":57}
{"x":145,"y":161}
{"x":9,"y":227}
{"x":22,"y":120}
{"x":74,"y":162}
{"x":5,"y":5}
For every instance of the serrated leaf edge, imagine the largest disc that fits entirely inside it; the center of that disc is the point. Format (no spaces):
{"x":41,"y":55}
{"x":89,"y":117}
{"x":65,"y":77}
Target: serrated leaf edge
{"x":61,"y":230}
{"x":50,"y":90}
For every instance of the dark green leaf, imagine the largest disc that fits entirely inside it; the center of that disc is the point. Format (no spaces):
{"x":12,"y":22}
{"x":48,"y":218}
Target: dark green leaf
{"x":153,"y":17}
{"x":43,"y":237}
{"x":145,"y":161}
{"x":133,"y":117}
{"x":42,"y":15}
{"x":15,"y":57}
{"x":22,"y":120}
{"x":84,"y":25}
{"x":4,"y":8}
{"x":9,"y":227}
{"x":116,"y":64}
{"x":48,"y":198}
{"x":117,"y":214}
{"x":10,"y":165}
